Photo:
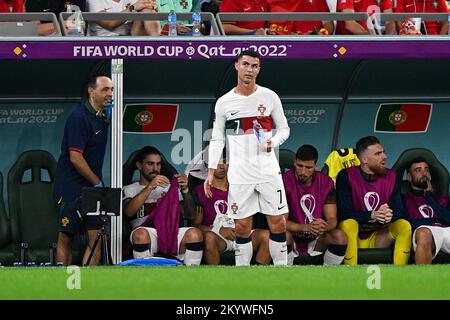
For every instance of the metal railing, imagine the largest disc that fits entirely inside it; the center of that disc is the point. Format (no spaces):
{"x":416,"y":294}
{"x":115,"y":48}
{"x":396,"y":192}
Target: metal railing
{"x":139,"y":16}
{"x":321,"y":16}
{"x":26,"y":24}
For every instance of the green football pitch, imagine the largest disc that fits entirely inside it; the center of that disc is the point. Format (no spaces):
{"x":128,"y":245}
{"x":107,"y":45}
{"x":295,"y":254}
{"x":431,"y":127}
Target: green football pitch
{"x":224,"y":283}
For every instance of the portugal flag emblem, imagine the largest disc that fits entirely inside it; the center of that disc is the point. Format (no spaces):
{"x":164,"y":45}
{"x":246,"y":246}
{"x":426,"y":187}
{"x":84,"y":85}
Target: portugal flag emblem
{"x":403,"y":117}
{"x":150,"y":118}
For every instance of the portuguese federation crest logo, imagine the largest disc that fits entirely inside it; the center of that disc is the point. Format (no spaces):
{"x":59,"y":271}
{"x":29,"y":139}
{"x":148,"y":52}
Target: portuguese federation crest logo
{"x":234,"y":207}
{"x":398,"y":117}
{"x":144,"y":118}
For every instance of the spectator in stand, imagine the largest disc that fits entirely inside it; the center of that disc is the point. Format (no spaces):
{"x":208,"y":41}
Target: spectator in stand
{"x":369,"y":6}
{"x":46,"y":28}
{"x":9,"y":6}
{"x":425,"y":6}
{"x":245,"y":27}
{"x":300,"y":27}
{"x":122,"y":27}
{"x":181,"y":6}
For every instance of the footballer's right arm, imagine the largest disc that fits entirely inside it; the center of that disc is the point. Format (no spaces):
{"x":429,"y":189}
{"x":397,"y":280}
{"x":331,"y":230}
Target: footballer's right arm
{"x":132,"y":205}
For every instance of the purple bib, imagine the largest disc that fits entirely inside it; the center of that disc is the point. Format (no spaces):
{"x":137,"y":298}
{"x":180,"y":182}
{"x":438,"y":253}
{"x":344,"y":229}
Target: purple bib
{"x":165,"y":219}
{"x":418,"y":207}
{"x":306,"y":203}
{"x":370,"y":195}
{"x":217,"y":204}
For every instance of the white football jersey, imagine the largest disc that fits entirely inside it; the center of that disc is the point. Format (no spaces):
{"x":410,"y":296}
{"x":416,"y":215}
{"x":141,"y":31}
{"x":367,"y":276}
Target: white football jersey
{"x":131,"y":190}
{"x":247,"y":123}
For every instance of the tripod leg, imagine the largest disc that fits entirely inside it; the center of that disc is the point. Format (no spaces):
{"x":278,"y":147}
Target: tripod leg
{"x":106,"y":255}
{"x":91,"y":254}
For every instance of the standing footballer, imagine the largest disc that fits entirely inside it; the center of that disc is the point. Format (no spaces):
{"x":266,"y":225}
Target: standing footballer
{"x":246,"y":116}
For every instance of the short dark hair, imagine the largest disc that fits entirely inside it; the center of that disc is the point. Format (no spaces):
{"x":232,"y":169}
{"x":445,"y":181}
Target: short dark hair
{"x":364,"y":143}
{"x":250,"y":53}
{"x":307,"y":152}
{"x":146,"y":151}
{"x":91,"y":83}
{"x":416,"y":160}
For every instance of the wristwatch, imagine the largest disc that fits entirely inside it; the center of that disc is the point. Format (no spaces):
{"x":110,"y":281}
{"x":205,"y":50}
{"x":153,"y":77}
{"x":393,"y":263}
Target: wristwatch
{"x":131,"y":8}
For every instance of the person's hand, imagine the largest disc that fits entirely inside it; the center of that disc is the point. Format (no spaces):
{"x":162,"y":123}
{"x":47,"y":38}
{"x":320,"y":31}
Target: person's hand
{"x":108,"y":111}
{"x":181,"y":29}
{"x":208,"y":183}
{"x":261,"y":32}
{"x":429,"y":185}
{"x":388,"y":216}
{"x":183,"y":182}
{"x":269,"y":145}
{"x":228,"y":233}
{"x":383,"y":214}
{"x":318,"y":227}
{"x":271,"y":32}
{"x":99,"y":185}
{"x":145,"y":4}
{"x":159,"y":181}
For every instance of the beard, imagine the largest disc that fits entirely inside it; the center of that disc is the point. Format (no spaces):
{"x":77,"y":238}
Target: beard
{"x":378,"y":170}
{"x":148,"y":175}
{"x":420,"y":184}
{"x":303,"y":179}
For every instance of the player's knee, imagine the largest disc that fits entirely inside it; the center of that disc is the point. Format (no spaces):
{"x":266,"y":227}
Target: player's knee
{"x":194,"y":235}
{"x":349,"y":227}
{"x":210,"y":239}
{"x":64,"y":239}
{"x":140,"y":236}
{"x":424,"y":237}
{"x":403,"y":226}
{"x":277,"y":224}
{"x":338,"y":237}
{"x":243,"y":230}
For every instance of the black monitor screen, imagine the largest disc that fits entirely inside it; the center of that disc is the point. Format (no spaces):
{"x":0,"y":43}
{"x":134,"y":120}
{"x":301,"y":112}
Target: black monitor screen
{"x":96,"y":201}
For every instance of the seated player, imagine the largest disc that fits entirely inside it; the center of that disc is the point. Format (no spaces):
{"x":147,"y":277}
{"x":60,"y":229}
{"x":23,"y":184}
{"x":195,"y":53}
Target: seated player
{"x":429,"y":214}
{"x":218,"y":227}
{"x":370,"y":208}
{"x":154,"y":216}
{"x":312,"y":221}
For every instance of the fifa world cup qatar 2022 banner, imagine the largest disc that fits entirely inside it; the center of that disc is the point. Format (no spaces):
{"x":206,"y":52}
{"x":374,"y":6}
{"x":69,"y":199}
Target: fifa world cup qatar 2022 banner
{"x":198,"y":49}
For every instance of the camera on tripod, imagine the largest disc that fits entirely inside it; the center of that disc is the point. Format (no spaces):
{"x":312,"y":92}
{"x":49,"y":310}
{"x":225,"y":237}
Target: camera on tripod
{"x":104,"y":203}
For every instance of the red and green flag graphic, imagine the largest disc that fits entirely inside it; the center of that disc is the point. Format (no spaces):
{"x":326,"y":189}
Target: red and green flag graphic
{"x":403,"y":117}
{"x":150,"y":118}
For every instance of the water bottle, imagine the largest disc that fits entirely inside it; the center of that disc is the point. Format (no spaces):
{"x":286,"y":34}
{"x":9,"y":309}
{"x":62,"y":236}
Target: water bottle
{"x":172,"y":24}
{"x":259,"y":133}
{"x":79,"y":24}
{"x":196,"y":24}
{"x":76,"y":26}
{"x":448,"y":22}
